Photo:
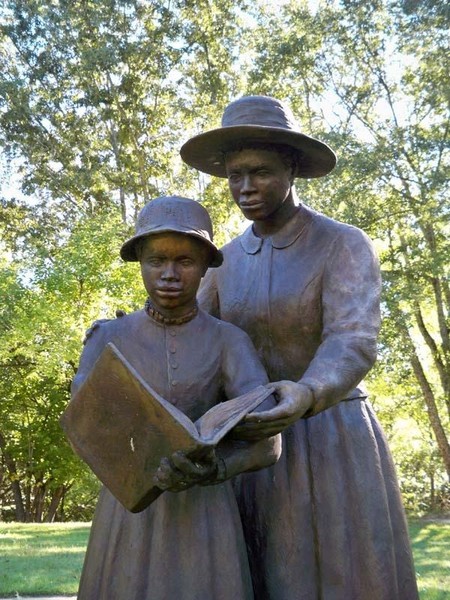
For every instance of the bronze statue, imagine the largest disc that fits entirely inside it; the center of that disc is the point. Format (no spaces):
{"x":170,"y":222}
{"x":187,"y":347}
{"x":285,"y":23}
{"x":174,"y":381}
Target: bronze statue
{"x":189,"y":542}
{"x":326,"y":521}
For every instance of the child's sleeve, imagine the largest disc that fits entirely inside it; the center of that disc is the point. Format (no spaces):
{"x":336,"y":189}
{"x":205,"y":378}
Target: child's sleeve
{"x":242,"y":370}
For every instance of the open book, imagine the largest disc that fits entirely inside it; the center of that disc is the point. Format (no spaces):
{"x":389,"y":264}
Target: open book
{"x":122,"y":428}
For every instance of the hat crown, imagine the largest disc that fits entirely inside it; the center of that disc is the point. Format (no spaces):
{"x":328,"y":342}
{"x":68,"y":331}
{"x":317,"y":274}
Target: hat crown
{"x":262,"y":111}
{"x":257,"y":120}
{"x":174,"y":213}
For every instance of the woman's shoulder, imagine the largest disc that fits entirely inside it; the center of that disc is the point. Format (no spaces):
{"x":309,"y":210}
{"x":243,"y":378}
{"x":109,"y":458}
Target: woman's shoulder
{"x":334,"y":226}
{"x":224,"y":330}
{"x":236,"y":244}
{"x":337,"y":232}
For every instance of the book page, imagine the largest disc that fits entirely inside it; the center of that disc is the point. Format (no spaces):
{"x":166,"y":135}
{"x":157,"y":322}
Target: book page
{"x":221,"y":419}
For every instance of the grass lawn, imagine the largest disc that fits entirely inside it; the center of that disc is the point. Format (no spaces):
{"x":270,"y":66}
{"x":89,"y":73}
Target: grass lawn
{"x":41,"y":558}
{"x":431,"y":548}
{"x":47,"y":559}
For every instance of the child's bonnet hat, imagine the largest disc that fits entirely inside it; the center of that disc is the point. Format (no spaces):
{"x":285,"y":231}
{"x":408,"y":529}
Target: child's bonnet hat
{"x":173,"y":214}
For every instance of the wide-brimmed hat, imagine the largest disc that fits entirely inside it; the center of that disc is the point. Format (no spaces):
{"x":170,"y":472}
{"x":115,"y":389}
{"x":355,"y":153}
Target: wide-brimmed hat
{"x":257,"y":119}
{"x":173,"y":214}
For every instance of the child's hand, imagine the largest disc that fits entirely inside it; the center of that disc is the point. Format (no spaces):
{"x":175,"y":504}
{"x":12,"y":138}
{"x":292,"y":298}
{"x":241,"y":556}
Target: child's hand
{"x":180,"y":471}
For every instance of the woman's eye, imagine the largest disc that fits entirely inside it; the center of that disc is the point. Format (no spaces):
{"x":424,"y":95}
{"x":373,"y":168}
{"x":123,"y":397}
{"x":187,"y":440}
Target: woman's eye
{"x":186,"y":262}
{"x":234,"y":177}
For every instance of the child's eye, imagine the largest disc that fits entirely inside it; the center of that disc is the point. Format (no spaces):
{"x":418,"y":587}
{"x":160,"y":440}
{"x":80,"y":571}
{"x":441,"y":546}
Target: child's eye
{"x":186,"y":262}
{"x":154,"y":261}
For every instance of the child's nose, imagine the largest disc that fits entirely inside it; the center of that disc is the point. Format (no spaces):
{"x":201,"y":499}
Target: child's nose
{"x":170,"y":271}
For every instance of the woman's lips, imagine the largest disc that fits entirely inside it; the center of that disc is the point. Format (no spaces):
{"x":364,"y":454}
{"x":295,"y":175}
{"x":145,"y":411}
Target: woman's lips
{"x":251,"y":205}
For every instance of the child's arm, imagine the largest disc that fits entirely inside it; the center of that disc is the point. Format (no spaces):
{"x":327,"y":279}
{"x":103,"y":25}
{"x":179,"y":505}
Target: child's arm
{"x":231,"y":457}
{"x":239,"y":456}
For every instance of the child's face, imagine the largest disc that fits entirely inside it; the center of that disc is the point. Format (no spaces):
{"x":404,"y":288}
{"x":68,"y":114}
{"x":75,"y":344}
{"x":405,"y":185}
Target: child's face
{"x":172,"y":266}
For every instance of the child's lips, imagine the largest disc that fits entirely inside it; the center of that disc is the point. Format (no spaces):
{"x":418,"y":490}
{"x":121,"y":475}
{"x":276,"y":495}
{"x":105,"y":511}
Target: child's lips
{"x":169,"y":291}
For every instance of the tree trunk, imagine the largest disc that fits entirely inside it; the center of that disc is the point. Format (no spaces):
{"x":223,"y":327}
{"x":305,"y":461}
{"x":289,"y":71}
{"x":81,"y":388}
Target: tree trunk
{"x":433,"y":413}
{"x":38,"y":502}
{"x":57,"y":496}
{"x":15,"y":484}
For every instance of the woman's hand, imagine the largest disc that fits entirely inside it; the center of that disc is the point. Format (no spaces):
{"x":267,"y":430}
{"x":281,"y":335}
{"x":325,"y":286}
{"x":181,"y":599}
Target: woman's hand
{"x":180,"y":471}
{"x":293,"y":401}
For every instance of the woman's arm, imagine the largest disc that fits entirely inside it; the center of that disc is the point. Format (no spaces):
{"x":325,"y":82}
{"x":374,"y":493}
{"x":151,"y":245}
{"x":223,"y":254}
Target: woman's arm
{"x":351,"y":320}
{"x":93,"y":347}
{"x":207,"y":296}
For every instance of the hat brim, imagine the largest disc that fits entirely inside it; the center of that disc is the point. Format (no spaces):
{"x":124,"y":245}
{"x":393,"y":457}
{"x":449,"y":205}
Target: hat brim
{"x":128,"y":249}
{"x":205,"y":151}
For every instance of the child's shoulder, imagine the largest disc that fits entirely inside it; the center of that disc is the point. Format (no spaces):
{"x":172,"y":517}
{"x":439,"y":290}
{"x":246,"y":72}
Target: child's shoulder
{"x":105,"y":328}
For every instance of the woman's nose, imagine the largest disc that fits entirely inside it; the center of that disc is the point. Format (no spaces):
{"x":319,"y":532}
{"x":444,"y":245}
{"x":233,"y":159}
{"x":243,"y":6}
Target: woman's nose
{"x":247,"y":184}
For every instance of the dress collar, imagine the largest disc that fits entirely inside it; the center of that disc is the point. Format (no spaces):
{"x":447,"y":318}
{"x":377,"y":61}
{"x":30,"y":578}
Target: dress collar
{"x":283,"y":238}
{"x":155,"y":315}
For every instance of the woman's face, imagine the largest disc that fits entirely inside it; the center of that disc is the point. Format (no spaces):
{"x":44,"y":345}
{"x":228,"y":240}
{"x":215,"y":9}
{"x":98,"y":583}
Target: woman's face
{"x":260,"y":182}
{"x":172,"y":266}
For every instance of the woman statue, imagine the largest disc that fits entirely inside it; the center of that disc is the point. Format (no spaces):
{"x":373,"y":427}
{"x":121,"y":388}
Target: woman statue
{"x":326,"y":521}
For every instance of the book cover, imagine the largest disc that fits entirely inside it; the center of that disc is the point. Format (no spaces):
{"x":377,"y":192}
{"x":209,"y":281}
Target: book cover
{"x":122,"y":428}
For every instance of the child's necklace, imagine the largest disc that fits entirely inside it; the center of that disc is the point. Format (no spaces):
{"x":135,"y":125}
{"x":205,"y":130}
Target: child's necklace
{"x":159,"y":318}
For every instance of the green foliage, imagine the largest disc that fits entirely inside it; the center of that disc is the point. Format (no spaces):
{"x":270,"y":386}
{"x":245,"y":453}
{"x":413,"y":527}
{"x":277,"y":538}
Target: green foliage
{"x":95,"y":99}
{"x":57,"y":294}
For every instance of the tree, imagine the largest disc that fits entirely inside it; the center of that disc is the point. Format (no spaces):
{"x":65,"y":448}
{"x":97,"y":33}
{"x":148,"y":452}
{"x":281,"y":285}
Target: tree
{"x":379,"y":67}
{"x":41,"y":329}
{"x":94,"y":98}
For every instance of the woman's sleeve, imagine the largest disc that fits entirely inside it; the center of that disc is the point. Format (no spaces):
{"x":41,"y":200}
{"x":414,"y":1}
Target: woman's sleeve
{"x":207,"y":296}
{"x":351,"y":320}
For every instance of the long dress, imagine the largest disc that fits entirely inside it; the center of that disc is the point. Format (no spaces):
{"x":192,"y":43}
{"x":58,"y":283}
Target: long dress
{"x":325,"y":522}
{"x":187,"y":545}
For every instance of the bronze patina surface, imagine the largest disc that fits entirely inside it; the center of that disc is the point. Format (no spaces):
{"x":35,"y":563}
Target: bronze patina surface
{"x":326,"y":521}
{"x":189,"y":542}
